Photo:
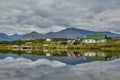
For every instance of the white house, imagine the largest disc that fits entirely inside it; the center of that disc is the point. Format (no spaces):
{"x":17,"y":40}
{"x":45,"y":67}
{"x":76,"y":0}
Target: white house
{"x":48,"y":39}
{"x":89,"y":41}
{"x":94,"y":38}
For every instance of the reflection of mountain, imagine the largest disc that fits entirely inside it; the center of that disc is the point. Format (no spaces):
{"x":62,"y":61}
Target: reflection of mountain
{"x":3,"y":56}
{"x":68,"y":57}
{"x":67,"y":60}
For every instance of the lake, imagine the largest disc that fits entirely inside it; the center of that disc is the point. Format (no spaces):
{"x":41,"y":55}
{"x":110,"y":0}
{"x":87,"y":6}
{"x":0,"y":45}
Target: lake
{"x":59,"y":65}
{"x":66,"y":56}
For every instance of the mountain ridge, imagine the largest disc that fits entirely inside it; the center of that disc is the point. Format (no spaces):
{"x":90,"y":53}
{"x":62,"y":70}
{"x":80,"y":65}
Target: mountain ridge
{"x":66,"y":33}
{"x":69,"y":33}
{"x":5,"y":37}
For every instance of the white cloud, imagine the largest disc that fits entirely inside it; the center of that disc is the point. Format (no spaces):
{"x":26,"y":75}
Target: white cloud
{"x":97,"y":15}
{"x":43,"y":69}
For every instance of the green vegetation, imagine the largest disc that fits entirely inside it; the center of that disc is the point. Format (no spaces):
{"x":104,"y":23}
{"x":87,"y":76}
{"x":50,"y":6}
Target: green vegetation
{"x":111,"y":44}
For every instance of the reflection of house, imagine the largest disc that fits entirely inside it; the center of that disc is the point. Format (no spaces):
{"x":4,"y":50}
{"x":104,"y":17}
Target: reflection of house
{"x":95,"y":38}
{"x":45,"y":50}
{"x":48,"y":54}
{"x":89,"y":54}
{"x":45,"y":44}
{"x":28,"y":43}
{"x":25,"y":47}
{"x":28,"y":51}
{"x":15,"y":47}
{"x":95,"y":56}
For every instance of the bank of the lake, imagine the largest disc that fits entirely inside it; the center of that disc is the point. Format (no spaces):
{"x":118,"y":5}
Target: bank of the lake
{"x":109,"y":45}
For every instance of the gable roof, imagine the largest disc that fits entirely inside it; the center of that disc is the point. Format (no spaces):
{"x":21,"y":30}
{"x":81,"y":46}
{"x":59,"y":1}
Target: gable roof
{"x":95,"y":36}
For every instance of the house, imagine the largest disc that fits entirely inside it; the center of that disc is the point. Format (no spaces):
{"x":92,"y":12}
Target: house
{"x":48,"y":39}
{"x":77,"y":38}
{"x":89,"y":41}
{"x":75,"y":41}
{"x":59,"y":43}
{"x":94,"y":38}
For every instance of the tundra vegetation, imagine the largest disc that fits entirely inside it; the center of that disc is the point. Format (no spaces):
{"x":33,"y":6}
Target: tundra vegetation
{"x":111,"y":44}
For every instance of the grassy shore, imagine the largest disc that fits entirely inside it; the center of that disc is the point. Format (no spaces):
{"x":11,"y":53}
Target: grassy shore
{"x":109,"y":45}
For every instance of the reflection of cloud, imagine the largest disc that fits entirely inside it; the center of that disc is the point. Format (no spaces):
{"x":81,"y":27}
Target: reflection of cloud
{"x":43,"y":69}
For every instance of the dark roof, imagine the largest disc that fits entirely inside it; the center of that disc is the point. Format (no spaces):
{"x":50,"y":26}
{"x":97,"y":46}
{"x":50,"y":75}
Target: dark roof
{"x":95,"y":36}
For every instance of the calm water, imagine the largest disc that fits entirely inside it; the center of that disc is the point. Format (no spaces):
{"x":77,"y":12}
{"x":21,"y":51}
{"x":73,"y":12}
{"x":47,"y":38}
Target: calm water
{"x":59,"y":65}
{"x":68,"y":57}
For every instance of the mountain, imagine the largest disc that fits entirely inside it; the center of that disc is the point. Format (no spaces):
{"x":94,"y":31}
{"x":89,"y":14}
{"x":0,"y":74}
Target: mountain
{"x":33,"y":35}
{"x":67,"y":33}
{"x":5,"y":37}
{"x":16,"y":37}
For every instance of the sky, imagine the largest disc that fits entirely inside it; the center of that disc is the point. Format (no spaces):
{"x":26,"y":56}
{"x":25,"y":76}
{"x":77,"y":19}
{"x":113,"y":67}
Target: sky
{"x":43,"y":16}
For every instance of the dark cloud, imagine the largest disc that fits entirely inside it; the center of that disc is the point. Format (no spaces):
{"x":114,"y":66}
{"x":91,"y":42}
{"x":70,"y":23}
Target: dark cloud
{"x":22,"y":16}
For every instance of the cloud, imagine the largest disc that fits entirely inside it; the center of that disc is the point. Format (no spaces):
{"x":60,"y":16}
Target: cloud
{"x":23,"y":16}
{"x":43,"y":69}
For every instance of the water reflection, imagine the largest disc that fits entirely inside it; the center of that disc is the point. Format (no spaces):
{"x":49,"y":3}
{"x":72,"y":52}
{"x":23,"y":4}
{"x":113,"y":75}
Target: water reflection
{"x":66,"y":56}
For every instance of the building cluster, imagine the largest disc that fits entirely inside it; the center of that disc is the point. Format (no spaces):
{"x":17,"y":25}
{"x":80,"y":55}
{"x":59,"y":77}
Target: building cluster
{"x":92,"y":38}
{"x":76,"y":41}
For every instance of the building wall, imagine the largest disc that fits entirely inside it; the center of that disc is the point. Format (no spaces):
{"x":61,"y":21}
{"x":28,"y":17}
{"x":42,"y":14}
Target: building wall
{"x":89,"y":41}
{"x":48,"y":39}
{"x":103,"y":40}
